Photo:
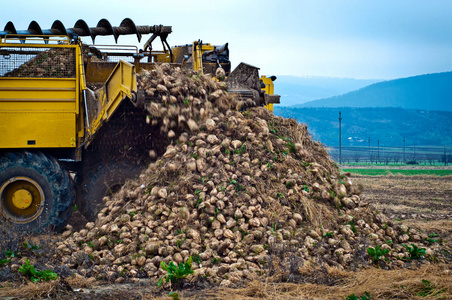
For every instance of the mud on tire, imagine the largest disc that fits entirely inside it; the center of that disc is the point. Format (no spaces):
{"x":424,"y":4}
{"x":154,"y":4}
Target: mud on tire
{"x":102,"y":181}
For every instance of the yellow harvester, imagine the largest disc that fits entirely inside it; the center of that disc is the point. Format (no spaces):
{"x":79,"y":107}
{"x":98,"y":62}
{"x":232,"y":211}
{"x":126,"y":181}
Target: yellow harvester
{"x":52,"y":123}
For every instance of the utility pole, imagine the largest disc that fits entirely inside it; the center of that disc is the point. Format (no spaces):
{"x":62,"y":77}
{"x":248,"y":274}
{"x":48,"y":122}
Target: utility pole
{"x":404,"y":150}
{"x":378,"y":151}
{"x":340,"y":144}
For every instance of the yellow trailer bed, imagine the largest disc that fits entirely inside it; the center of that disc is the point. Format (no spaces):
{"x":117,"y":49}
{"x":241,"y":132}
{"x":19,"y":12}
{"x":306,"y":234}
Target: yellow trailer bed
{"x":42,"y":94}
{"x":39,"y":93}
{"x":38,"y":112}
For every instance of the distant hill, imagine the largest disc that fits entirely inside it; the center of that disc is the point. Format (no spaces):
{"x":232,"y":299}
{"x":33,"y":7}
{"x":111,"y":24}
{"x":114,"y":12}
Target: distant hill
{"x":429,"y":92}
{"x":389,"y":125}
{"x":296,"y":90}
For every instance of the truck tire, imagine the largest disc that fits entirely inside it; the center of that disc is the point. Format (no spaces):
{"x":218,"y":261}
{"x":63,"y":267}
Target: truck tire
{"x":104,"y":180}
{"x":35,"y":192}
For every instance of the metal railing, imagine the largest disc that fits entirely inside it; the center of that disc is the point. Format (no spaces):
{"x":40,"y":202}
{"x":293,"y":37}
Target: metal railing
{"x":37,"y":62}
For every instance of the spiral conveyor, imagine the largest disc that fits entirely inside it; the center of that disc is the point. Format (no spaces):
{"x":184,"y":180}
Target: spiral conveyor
{"x":81,"y":29}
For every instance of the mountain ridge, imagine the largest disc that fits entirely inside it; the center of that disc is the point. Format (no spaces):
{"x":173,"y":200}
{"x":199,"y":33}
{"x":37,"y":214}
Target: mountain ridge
{"x":390,"y":125}
{"x":299,"y":89}
{"x":431,"y":92}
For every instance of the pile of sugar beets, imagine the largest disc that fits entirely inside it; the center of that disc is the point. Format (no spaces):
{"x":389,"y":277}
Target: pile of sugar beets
{"x":232,"y":189}
{"x":51,"y":63}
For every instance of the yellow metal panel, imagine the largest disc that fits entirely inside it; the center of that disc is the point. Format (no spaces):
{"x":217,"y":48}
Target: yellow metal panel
{"x":269,"y":106}
{"x":162,"y":58}
{"x":40,"y":112}
{"x":38,"y":82}
{"x":37,"y":112}
{"x":120,"y":84}
{"x":269,"y":86}
{"x":79,"y":78}
{"x":37,"y":130}
{"x":198,"y":50}
{"x":42,"y":106}
{"x":36,"y":94}
{"x":99,"y":71}
{"x":269,"y":89}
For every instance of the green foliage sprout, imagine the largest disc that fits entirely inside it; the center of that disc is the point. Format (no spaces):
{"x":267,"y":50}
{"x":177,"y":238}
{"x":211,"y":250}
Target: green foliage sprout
{"x":196,"y":258}
{"x":174,"y":295}
{"x":237,"y":186}
{"x":4,"y":261}
{"x":216,"y":260}
{"x":176,"y":274}
{"x":377,"y":253}
{"x":9,"y":254}
{"x":431,"y":238}
{"x":328,"y":234}
{"x":366,"y":296}
{"x":428,"y":289}
{"x":31,"y":246}
{"x":30,"y":271}
{"x":291,"y":147}
{"x":414,"y":251}
{"x":352,"y":226}
{"x":240,"y":150}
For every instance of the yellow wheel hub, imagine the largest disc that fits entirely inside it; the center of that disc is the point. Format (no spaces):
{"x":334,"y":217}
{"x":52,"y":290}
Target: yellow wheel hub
{"x":22,"y":199}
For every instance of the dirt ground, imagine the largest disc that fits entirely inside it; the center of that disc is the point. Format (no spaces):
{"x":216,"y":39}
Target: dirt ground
{"x":423,"y":202}
{"x":419,"y":201}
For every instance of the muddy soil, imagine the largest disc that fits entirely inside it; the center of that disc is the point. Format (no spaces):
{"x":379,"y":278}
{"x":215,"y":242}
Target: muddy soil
{"x":410,"y":197}
{"x":423,"y":202}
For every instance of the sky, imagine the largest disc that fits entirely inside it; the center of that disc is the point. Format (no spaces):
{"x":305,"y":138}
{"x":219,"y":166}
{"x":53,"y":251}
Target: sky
{"x":363,"y":39}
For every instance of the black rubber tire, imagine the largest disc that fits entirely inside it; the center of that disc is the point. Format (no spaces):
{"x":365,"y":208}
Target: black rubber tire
{"x":54,"y":181}
{"x":99,"y":182}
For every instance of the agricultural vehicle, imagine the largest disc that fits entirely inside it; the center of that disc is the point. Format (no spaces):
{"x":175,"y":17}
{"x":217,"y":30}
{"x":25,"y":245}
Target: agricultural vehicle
{"x":64,"y":143}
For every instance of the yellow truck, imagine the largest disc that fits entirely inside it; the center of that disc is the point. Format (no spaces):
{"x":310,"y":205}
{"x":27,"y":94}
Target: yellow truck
{"x":62,"y":143}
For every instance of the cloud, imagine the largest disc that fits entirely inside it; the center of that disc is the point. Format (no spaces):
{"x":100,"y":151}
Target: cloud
{"x":347,"y":38}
